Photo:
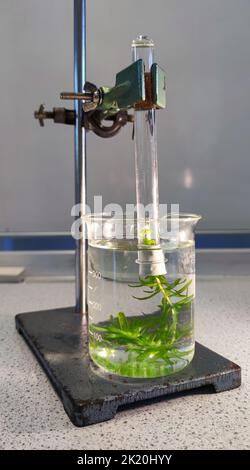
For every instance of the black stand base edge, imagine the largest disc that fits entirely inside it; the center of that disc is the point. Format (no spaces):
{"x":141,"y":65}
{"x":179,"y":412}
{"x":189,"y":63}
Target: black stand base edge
{"x":58,"y":340}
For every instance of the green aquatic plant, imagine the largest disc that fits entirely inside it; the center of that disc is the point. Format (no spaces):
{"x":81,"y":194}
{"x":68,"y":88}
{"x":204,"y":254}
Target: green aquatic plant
{"x":149,"y":337}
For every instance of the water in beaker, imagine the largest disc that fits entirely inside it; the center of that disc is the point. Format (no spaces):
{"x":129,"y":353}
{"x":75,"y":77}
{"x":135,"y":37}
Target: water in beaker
{"x":140,"y":326}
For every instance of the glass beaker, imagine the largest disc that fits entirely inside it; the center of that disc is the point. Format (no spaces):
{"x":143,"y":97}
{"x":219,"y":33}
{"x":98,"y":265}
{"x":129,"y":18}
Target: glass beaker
{"x":140,"y":326}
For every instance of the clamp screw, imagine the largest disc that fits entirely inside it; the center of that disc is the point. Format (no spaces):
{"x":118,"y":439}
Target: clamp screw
{"x":41,"y":114}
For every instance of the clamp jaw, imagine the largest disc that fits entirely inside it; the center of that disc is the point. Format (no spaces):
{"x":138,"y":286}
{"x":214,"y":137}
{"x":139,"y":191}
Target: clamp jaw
{"x":133,"y":89}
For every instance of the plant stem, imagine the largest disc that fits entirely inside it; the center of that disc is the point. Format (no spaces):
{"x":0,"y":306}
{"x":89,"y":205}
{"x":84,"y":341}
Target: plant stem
{"x":163,"y":291}
{"x":174,"y":314}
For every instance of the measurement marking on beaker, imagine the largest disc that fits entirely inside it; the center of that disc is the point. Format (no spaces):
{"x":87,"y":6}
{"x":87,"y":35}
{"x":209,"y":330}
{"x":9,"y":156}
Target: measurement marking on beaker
{"x":95,"y":305}
{"x":95,"y":274}
{"x":92,"y":288}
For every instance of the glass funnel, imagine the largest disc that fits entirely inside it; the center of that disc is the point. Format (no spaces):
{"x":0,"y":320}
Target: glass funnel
{"x":140,"y":326}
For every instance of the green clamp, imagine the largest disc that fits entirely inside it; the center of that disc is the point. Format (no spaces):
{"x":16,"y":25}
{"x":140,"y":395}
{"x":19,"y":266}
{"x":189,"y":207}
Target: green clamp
{"x":135,"y":89}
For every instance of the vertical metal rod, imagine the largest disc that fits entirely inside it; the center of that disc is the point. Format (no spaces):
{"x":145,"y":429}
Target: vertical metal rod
{"x":80,"y":148}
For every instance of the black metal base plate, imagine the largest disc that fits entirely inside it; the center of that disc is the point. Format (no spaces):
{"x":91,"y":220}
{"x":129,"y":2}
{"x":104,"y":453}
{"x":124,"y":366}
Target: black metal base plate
{"x":57,"y":339}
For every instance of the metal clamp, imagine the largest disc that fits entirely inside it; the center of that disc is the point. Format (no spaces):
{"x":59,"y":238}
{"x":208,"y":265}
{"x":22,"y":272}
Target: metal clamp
{"x":92,"y":97}
{"x":59,"y":115}
{"x":133,"y":89}
{"x":94,"y":122}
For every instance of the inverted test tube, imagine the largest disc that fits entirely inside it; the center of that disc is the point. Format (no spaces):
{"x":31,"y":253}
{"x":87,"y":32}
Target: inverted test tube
{"x":150,"y":254}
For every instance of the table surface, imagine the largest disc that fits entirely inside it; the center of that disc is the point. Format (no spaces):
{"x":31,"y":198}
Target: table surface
{"x":32,"y":416}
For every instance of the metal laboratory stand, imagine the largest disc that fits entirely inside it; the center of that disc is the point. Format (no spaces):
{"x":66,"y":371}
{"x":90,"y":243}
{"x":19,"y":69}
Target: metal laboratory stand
{"x":58,"y":337}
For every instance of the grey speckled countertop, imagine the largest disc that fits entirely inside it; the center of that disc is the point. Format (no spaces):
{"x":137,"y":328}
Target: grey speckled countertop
{"x":32,"y":417}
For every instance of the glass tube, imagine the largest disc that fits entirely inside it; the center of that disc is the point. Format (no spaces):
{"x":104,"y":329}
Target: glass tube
{"x":146,"y":169}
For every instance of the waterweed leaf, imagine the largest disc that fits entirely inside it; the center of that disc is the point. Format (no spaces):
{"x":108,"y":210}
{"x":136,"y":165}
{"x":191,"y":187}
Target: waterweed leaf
{"x":151,"y":336}
{"x":157,"y":290}
{"x":184,"y":288}
{"x":185,"y":301}
{"x":161,"y":278}
{"x":135,"y":324}
{"x":164,"y":337}
{"x":174,"y":284}
{"x":148,"y":354}
{"x":111,"y":330}
{"x":145,"y":298}
{"x":122,"y":321}
{"x":166,"y":313}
